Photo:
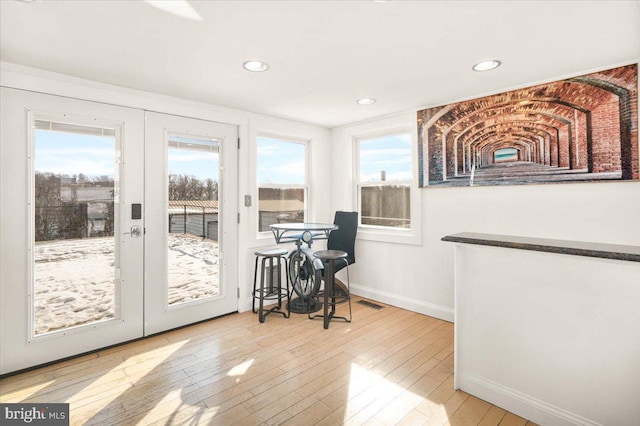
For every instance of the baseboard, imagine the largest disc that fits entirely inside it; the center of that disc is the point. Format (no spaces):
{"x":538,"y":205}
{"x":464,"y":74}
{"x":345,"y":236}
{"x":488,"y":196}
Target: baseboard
{"x":518,"y":403}
{"x":426,"y":308}
{"x":431,"y":309}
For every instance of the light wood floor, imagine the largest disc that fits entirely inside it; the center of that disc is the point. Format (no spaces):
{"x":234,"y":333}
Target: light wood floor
{"x":388,"y":366}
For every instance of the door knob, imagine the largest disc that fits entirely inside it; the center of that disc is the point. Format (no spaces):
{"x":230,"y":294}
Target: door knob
{"x":136,"y":231}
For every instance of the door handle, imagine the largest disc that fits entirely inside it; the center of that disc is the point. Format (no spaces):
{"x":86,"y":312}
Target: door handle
{"x":136,"y":231}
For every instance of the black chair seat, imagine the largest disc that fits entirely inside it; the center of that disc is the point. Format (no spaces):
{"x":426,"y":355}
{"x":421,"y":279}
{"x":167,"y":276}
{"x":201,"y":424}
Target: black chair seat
{"x":340,"y":254}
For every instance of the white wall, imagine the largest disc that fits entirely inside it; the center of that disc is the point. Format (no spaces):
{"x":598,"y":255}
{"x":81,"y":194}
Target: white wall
{"x":420,"y":277}
{"x":249,"y":125}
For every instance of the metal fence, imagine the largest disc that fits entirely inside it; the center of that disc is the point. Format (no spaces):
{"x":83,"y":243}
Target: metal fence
{"x":200,"y":222}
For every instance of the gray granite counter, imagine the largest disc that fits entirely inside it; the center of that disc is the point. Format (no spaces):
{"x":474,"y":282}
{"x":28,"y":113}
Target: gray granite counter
{"x":577,"y":248}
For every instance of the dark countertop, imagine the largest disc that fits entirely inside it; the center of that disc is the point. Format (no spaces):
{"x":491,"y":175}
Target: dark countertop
{"x":577,"y":248}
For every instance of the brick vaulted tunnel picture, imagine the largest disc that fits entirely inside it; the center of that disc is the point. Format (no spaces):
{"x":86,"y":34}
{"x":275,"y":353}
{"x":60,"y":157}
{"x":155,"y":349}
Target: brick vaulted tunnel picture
{"x":580,"y":129}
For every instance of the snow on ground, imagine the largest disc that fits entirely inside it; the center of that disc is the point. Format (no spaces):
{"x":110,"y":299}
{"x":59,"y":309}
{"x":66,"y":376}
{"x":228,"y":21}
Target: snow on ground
{"x":193,"y":268}
{"x":74,"y":279}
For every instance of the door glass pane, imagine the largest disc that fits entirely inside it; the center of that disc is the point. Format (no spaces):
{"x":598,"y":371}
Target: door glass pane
{"x":74,"y":251}
{"x":193,"y":179}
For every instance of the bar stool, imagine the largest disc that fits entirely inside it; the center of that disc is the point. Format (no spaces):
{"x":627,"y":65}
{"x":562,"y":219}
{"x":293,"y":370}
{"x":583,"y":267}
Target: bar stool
{"x":271,"y":292}
{"x":331,"y":295}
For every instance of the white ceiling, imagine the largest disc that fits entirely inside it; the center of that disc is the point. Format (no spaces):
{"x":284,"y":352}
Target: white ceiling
{"x":324,"y":55}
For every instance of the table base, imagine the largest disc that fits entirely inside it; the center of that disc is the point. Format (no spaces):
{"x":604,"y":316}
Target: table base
{"x":299,"y":306}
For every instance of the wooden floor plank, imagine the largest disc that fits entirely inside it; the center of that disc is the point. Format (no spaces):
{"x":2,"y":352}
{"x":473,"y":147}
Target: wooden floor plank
{"x":309,"y":416}
{"x":493,"y":416}
{"x":470,"y":413}
{"x":388,"y":366}
{"x":511,"y":419}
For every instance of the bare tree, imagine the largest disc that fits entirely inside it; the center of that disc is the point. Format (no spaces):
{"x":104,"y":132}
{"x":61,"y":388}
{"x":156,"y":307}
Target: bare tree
{"x":186,"y":187}
{"x":47,"y":195}
{"x":211,"y":190}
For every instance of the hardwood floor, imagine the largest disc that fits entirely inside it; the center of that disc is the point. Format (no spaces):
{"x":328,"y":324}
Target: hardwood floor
{"x":388,"y":366}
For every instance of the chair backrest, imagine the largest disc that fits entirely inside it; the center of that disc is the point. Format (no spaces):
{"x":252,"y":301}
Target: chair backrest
{"x":344,"y":238}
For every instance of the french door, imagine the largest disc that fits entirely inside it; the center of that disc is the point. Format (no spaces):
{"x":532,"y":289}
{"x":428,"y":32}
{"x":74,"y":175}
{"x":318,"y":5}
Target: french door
{"x":94,"y":251}
{"x":71,"y":267}
{"x":191,"y":221}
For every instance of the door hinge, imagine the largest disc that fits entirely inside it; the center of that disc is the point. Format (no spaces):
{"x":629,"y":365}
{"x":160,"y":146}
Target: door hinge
{"x":238,"y":217}
{"x":238,"y":143}
{"x":238,"y":292}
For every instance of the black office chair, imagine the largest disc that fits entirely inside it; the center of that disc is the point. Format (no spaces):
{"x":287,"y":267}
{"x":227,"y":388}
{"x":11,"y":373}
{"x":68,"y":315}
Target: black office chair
{"x":342,"y":239}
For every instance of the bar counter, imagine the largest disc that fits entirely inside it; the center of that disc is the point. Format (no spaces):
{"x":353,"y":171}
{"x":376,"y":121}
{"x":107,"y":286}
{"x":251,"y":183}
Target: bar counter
{"x":548,"y":329}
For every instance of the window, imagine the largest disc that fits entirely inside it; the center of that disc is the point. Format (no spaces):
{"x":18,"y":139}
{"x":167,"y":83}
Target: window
{"x":282,"y":181}
{"x":384,"y":181}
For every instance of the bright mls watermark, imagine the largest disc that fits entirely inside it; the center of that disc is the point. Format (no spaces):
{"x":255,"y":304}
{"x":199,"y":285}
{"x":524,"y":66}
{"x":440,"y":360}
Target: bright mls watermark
{"x":34,"y":414}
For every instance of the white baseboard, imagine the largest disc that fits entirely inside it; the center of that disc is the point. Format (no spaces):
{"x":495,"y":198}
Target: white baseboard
{"x":425,"y":308}
{"x":437,"y":311}
{"x":518,"y":403}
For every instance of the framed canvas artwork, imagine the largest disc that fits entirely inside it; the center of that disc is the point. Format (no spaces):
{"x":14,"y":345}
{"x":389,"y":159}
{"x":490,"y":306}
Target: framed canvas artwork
{"x":579,"y":129}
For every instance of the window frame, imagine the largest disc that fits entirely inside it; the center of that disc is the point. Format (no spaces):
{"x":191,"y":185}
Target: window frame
{"x":305,"y":186}
{"x":394,"y":125}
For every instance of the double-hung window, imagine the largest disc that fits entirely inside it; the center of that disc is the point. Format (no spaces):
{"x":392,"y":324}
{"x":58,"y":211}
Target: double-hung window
{"x":282,"y":181}
{"x":383,"y":180}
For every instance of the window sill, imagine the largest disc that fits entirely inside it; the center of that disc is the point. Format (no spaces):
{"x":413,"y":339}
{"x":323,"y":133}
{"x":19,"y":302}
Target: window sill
{"x":265,"y":236}
{"x":396,"y":236}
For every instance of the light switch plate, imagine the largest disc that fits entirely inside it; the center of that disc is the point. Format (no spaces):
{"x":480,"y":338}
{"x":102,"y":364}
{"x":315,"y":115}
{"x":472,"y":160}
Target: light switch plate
{"x":247,"y":200}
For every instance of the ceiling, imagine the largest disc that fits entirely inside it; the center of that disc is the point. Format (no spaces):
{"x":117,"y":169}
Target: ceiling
{"x":323,"y":55}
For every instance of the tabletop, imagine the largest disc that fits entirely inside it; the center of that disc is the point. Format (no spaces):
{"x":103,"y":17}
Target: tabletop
{"x":288,"y":232}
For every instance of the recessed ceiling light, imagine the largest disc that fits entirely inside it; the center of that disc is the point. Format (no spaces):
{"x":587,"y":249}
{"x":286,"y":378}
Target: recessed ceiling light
{"x":255,"y":66}
{"x":486,"y":65}
{"x":366,"y":101}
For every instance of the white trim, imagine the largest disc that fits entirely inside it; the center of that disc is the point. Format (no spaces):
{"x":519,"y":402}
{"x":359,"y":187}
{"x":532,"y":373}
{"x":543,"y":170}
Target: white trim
{"x":431,"y":309}
{"x":519,"y":403}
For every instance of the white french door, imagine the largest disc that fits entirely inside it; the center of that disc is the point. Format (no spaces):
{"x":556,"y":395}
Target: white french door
{"x":71,"y":263}
{"x":191,"y":221}
{"x":110,"y":229}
